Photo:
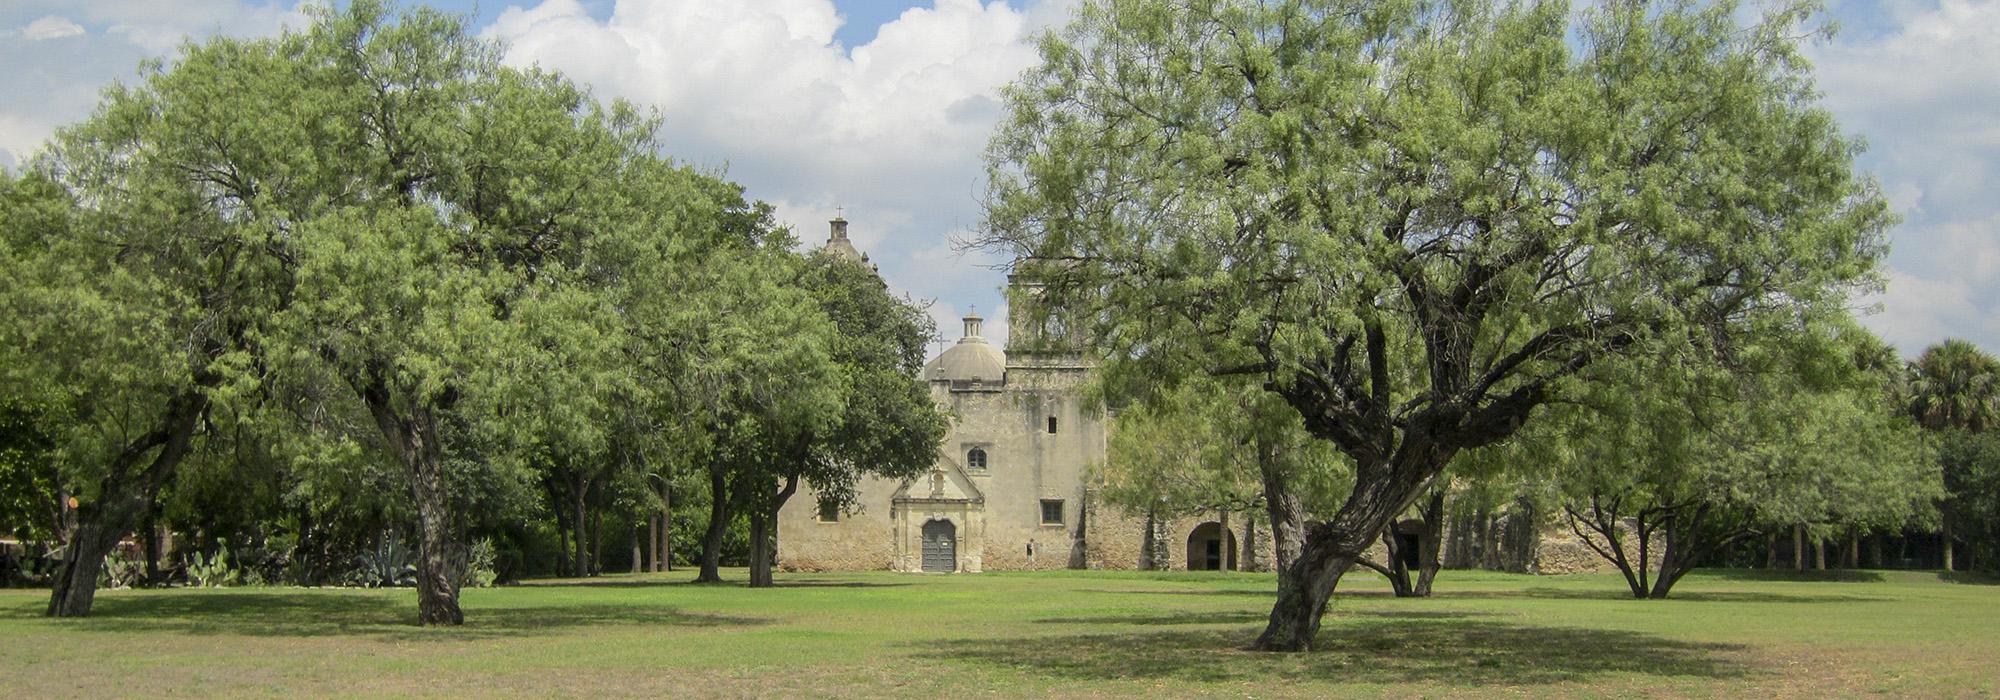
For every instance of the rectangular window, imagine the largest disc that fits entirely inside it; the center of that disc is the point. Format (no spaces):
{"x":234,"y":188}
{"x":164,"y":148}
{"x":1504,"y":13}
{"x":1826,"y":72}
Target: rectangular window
{"x":829,"y":510}
{"x":1052,"y":511}
{"x":1052,"y":424}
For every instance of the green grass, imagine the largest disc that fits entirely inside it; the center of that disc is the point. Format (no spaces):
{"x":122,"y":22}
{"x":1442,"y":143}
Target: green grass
{"x":1070,"y":633}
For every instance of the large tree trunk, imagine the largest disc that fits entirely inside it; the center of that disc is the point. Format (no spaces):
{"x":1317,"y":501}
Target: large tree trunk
{"x":718,"y":525}
{"x":437,"y":577}
{"x":124,"y":498}
{"x":417,"y":444}
{"x":764,"y":533}
{"x":1381,"y":491}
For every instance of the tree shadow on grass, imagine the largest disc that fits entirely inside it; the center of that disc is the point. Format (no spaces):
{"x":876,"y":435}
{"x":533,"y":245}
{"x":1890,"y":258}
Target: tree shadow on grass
{"x":324,"y":614}
{"x":1447,"y":652}
{"x":1968,"y":577}
{"x":1679,"y":595}
{"x":1231,"y":592}
{"x":673,"y":583}
{"x":1828,"y":576}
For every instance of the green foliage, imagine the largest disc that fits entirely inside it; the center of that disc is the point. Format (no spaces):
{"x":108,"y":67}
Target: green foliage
{"x":1971,"y":466}
{"x":481,"y":564}
{"x":29,"y":490}
{"x":121,"y":572}
{"x":388,"y":564}
{"x":1196,"y":447}
{"x":213,"y":570}
{"x":1955,"y":385}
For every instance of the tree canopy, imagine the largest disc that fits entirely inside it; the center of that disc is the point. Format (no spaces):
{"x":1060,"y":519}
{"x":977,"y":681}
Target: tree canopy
{"x":1417,"y":221}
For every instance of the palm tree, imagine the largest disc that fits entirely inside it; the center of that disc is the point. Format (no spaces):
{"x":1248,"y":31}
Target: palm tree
{"x":1954,"y":386}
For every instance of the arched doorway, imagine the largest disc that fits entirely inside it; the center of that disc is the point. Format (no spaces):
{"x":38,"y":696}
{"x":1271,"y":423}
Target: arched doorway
{"x":1211,"y":548}
{"x":940,"y":546}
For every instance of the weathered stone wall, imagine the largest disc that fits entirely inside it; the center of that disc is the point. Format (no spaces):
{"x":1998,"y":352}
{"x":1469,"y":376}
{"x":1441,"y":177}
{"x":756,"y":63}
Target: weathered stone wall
{"x":1118,"y":536}
{"x":996,"y":510}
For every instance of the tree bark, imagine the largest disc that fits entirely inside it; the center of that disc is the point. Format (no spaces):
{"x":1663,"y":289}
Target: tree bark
{"x":1819,"y":553}
{"x":764,"y":533}
{"x":581,"y":557}
{"x":1397,"y":569}
{"x":416,"y":442}
{"x":638,"y":551}
{"x":1249,"y":551}
{"x":1286,"y":510}
{"x":718,"y":525}
{"x":1382,"y":490}
{"x":663,"y":546}
{"x":760,"y":549}
{"x":1429,"y":544}
{"x":1798,"y":548}
{"x":124,"y":498}
{"x":1147,"y":541}
{"x":1944,"y":536}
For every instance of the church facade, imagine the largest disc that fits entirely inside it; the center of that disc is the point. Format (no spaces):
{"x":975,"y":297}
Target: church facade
{"x":1011,"y":488}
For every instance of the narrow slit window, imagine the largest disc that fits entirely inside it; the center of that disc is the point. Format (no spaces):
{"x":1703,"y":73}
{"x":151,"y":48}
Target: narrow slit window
{"x":1052,"y":424}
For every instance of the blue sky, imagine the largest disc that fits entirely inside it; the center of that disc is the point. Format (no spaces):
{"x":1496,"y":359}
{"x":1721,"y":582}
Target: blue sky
{"x":883,"y":106}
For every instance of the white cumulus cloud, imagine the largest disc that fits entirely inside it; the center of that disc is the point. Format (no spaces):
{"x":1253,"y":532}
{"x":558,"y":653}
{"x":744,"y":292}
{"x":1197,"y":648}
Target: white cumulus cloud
{"x":891,"y":130}
{"x":50,"y":27}
{"x":1924,"y":92}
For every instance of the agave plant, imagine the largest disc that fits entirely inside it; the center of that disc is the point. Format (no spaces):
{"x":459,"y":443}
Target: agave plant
{"x":390,"y":564}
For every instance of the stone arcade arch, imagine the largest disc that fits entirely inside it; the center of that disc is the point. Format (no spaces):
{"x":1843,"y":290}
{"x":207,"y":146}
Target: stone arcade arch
{"x":1211,"y":548}
{"x":940,"y":547}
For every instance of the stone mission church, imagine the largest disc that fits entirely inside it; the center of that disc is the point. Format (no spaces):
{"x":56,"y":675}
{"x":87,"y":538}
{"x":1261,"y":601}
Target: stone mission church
{"x":1010,"y":487}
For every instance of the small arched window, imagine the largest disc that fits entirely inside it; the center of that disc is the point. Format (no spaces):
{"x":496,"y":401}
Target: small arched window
{"x":975,"y":459}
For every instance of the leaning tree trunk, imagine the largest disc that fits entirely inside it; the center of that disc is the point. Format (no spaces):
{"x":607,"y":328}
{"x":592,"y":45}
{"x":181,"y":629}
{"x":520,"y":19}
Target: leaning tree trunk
{"x":124,"y":498}
{"x":1382,"y":490}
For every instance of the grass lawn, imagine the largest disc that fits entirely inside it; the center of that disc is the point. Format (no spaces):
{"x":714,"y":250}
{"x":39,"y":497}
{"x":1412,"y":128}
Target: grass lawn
{"x":1729,"y":634}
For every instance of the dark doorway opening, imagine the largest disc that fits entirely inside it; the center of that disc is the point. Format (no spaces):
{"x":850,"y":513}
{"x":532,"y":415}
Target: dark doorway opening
{"x":1211,"y":548}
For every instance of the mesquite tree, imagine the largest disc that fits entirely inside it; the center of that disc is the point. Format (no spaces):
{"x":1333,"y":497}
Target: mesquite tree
{"x":1417,"y":221}
{"x":1663,"y":468}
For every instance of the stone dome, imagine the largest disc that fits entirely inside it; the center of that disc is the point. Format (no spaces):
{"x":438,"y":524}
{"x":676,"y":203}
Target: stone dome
{"x":972,"y":359}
